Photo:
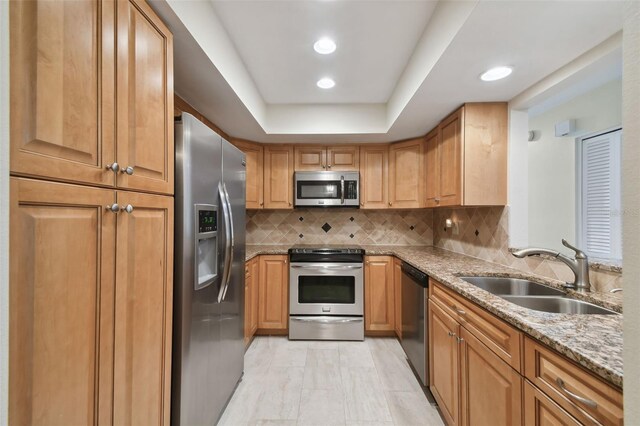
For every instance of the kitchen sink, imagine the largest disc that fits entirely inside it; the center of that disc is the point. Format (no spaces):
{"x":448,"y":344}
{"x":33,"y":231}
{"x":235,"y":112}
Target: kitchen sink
{"x":557,"y":305}
{"x":532,"y":295}
{"x":512,"y":286}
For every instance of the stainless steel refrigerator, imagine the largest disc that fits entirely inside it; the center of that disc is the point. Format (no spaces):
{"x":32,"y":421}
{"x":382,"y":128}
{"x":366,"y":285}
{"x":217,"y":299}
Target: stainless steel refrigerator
{"x":208,"y":346}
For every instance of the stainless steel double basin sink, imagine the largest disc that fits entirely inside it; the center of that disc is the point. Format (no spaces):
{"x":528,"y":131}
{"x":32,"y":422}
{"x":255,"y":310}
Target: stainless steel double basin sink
{"x":532,"y":295}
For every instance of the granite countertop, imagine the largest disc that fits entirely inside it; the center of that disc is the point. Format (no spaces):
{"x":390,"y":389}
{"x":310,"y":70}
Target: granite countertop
{"x":593,"y":341}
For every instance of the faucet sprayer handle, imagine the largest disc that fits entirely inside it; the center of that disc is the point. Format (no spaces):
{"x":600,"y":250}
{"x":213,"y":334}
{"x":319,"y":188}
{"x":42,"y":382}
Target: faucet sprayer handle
{"x":579,"y":253}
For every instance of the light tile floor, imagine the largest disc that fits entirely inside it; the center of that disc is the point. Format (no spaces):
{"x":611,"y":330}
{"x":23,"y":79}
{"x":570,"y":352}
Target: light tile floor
{"x":328,"y":383}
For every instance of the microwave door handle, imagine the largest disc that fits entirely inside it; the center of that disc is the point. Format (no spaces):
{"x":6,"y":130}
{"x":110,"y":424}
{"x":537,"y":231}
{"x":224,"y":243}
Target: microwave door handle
{"x":341,"y":189}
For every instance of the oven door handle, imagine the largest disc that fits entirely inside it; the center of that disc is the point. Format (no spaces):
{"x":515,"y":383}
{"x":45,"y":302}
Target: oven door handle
{"x":330,"y":268}
{"x":327,"y":320}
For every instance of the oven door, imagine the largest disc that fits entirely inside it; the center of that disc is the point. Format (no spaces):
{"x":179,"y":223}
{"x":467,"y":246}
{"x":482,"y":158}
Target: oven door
{"x":326,"y":289}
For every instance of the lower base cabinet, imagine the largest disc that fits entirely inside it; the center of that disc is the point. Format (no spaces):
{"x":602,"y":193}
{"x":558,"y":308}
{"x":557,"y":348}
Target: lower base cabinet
{"x":379,"y":304}
{"x":91,"y":290}
{"x":273,"y":293}
{"x":251,"y":281}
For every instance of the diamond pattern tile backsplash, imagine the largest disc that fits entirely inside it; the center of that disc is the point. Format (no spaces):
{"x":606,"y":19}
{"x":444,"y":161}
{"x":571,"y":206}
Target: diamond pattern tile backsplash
{"x":483,"y":233}
{"x":340,"y":226}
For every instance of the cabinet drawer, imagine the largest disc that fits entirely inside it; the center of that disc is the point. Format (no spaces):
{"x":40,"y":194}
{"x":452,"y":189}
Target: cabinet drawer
{"x":539,"y":409}
{"x":548,"y":370}
{"x":500,"y":337}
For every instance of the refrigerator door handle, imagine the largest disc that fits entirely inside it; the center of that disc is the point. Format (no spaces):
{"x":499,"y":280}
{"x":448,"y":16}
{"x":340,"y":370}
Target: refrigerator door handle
{"x":233,"y":243}
{"x":227,"y":243}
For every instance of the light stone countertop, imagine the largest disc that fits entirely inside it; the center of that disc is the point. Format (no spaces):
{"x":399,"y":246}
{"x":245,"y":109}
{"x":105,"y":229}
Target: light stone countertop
{"x":593,"y":341}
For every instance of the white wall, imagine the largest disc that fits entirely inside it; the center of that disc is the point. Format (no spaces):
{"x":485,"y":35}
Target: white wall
{"x":4,"y":210}
{"x":552,"y":161}
{"x":631,"y":210}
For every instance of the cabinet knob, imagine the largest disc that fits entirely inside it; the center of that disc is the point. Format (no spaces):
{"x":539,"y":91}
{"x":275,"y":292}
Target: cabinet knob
{"x":389,"y":203}
{"x":128,"y":170}
{"x":324,"y":167}
{"x":329,"y":166}
{"x":285,"y":262}
{"x":128,"y":208}
{"x":362,"y":204}
{"x":114,"y":208}
{"x":261,"y":203}
{"x":114,"y":167}
{"x":289,"y":204}
{"x":437,"y":200}
{"x":451,"y":334}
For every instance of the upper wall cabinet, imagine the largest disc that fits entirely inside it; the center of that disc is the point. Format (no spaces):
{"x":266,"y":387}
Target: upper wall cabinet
{"x":318,"y":158}
{"x":374,"y":175}
{"x":278,"y":176}
{"x":466,"y":157}
{"x":65,"y":91}
{"x":254,"y":156}
{"x":406,"y":174}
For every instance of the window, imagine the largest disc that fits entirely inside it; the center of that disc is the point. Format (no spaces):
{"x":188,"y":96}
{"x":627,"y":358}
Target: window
{"x":599,"y":189}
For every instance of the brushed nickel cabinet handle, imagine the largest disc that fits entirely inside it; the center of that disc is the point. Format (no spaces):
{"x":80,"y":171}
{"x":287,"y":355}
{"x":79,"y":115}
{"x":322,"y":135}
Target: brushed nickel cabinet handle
{"x":580,"y":399}
{"x":114,"y":167}
{"x":114,"y":208}
{"x":128,"y":208}
{"x":128,"y":170}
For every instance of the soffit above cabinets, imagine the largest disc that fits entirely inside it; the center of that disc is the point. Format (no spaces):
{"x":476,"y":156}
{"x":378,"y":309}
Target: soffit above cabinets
{"x":399,"y":66}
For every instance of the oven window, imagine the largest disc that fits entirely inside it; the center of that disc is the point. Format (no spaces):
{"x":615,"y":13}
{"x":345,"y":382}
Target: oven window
{"x":326,"y":289}
{"x":321,"y":190}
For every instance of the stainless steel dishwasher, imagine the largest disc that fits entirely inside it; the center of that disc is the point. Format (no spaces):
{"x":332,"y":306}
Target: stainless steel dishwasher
{"x":415,"y":284}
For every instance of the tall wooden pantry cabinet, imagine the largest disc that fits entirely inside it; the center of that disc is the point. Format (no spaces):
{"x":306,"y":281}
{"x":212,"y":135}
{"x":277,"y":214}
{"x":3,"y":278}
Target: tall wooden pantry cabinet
{"x":91,"y":245}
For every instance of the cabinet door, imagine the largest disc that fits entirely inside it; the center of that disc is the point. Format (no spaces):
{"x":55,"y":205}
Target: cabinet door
{"x":343,"y":158}
{"x":278,"y":177}
{"x":406,"y":174}
{"x":450,"y":152}
{"x":144,"y":85}
{"x":491,"y":389}
{"x":274,"y":292}
{"x":247,"y":302}
{"x":255,"y":156}
{"x":255,"y":281}
{"x":143,"y":310}
{"x":432,"y":165}
{"x":444,"y":363}
{"x":378,"y":294}
{"x":61,"y":323}
{"x":540,"y":410}
{"x":397,"y":286}
{"x":374,"y":175}
{"x":310,"y":158}
{"x":62,"y":90}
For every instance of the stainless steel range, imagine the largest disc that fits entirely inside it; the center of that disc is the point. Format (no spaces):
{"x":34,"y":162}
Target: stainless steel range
{"x":326,"y":299}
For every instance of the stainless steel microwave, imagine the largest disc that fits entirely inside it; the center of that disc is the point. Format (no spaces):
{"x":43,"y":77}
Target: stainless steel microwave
{"x":327,"y":189}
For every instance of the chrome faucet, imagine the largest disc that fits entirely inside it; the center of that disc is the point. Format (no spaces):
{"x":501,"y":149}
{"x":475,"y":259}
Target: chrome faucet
{"x":579,"y":265}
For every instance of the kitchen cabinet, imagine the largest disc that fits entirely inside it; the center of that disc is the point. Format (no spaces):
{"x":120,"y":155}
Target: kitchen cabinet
{"x":406,"y":174}
{"x":278,"y":176}
{"x":540,"y":410}
{"x":466,"y":157}
{"x":444,"y":361}
{"x":397,"y":295}
{"x":471,"y":362}
{"x":251,"y":281}
{"x":273,"y":293}
{"x":254,"y":154}
{"x":585,"y":397}
{"x":379,"y":302}
{"x":374,"y":176}
{"x":319,"y":158}
{"x":74,"y":113}
{"x":92,"y":346}
{"x":144,"y":88}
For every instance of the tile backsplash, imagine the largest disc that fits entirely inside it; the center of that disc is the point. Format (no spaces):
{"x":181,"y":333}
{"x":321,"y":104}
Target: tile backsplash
{"x":483,"y":233}
{"x":340,"y":226}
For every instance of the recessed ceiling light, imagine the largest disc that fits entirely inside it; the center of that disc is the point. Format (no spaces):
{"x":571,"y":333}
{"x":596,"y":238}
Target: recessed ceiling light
{"x":496,"y":73}
{"x":326,"y":83}
{"x":324,"y":46}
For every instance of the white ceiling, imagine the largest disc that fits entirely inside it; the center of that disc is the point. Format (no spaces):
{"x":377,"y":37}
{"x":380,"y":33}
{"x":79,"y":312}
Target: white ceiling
{"x":375,"y":40}
{"x":400,"y":67}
